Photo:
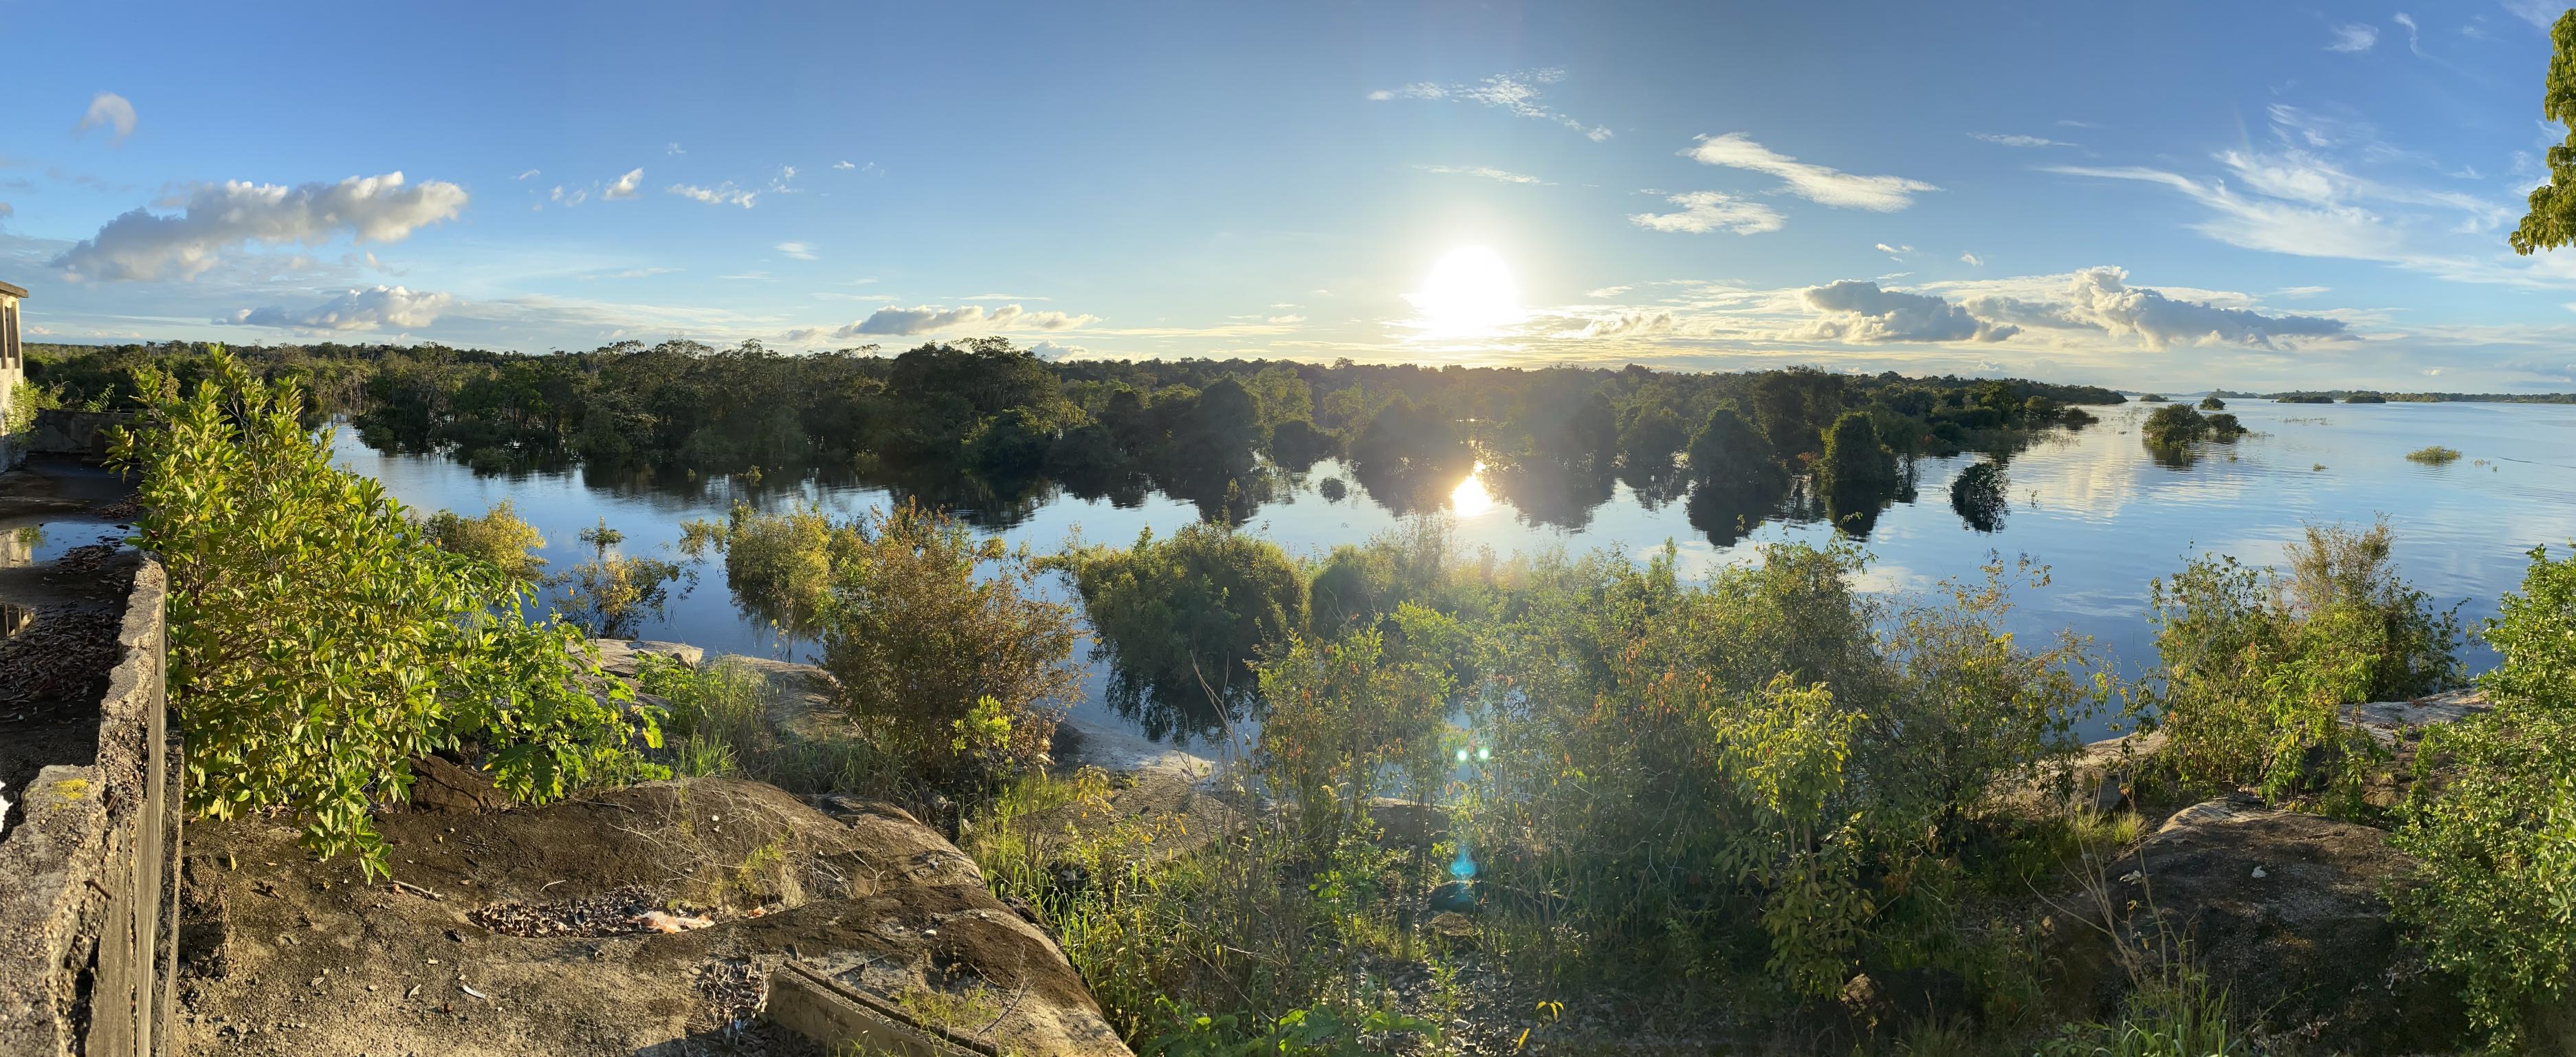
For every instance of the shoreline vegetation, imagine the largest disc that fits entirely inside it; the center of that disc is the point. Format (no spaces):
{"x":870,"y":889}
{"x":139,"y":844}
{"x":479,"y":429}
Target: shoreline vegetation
{"x":989,"y":429}
{"x":1763,"y":805}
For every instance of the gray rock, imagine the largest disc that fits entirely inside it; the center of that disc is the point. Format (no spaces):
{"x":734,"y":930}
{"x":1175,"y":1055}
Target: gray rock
{"x":619,"y":657}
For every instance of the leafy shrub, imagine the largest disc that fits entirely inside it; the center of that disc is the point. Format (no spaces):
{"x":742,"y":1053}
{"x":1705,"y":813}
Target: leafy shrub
{"x":1182,"y":619}
{"x":1728,"y":455}
{"x":2212,"y":403}
{"x":318,"y":639}
{"x":498,"y":537}
{"x":1855,"y":461}
{"x":2498,"y":840}
{"x":923,"y":622}
{"x":1348,"y":720}
{"x":779,"y":566}
{"x":2179,"y":425}
{"x":2258,"y":668}
{"x":610,"y":595}
{"x":2436,"y":455}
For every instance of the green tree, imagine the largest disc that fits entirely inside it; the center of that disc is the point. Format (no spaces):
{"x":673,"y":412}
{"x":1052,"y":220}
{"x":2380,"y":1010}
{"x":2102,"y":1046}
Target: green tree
{"x":1728,"y":455}
{"x":2498,"y":838}
{"x":1184,"y":618}
{"x":319,"y":640}
{"x":1855,"y":462}
{"x":2551,"y":223}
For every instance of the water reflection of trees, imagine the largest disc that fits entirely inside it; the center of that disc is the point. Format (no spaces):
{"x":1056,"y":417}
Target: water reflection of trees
{"x":1980,"y":496}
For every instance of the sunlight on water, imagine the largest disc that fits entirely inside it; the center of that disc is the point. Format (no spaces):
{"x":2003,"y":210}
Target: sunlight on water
{"x":1470,"y":499}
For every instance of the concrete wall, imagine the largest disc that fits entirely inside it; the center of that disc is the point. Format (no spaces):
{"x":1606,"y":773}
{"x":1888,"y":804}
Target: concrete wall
{"x":88,"y":880}
{"x":61,"y":431}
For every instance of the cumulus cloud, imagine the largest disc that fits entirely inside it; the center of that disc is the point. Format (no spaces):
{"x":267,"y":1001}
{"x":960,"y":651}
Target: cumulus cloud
{"x":1706,"y":211}
{"x":1971,"y":260}
{"x":1820,"y":184}
{"x":1517,"y":93}
{"x":723,"y":194}
{"x":218,"y":217}
{"x":1048,"y":350}
{"x":109,"y":111}
{"x":800,"y":251}
{"x":931,"y":319}
{"x":2101,"y":299}
{"x":625,"y":185}
{"x":2351,"y":37}
{"x":843,"y":165}
{"x":380,"y":308}
{"x":1857,"y":310}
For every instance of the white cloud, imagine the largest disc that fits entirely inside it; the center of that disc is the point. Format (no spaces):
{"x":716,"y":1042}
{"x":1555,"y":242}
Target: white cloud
{"x":1815,"y":183}
{"x":525,"y":175}
{"x":1048,"y":350}
{"x":1486,"y":171}
{"x":1706,"y":211}
{"x":1517,"y":93}
{"x":2101,"y":299}
{"x":1971,"y":260}
{"x":1637,"y":323}
{"x":1858,"y":310}
{"x":843,"y":165}
{"x":928,"y":319}
{"x":218,"y":217}
{"x":799,"y":250}
{"x":2020,"y":141}
{"x":2351,"y":37}
{"x":1897,"y":252}
{"x":625,"y":185}
{"x":379,"y":308}
{"x":109,"y":111}
{"x":673,"y":149}
{"x":2414,"y":39}
{"x":1286,"y":319}
{"x":2541,"y":13}
{"x":723,"y":194}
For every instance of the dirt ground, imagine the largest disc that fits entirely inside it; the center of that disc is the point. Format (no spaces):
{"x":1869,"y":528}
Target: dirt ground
{"x":64,"y":573}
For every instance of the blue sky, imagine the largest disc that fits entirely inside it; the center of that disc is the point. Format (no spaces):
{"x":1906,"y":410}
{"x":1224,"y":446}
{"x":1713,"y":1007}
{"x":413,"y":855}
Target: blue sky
{"x":2183,"y":196}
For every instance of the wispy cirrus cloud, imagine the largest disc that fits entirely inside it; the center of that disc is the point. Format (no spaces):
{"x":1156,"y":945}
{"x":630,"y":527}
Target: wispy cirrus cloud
{"x":1823,"y":185}
{"x":2352,"y":37}
{"x":1486,"y":172}
{"x":1706,"y":211}
{"x":2015,"y":140}
{"x":1518,"y":93}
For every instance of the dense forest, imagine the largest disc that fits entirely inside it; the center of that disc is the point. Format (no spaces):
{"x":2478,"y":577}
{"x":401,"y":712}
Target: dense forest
{"x":984,"y":428}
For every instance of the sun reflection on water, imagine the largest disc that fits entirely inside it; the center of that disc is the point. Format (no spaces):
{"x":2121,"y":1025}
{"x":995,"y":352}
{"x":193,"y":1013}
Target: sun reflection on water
{"x":1470,"y":499}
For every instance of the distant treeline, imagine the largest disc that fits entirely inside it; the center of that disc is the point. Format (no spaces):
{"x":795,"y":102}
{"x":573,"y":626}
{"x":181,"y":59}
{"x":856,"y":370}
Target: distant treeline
{"x":2367,"y":396}
{"x":974,"y":422}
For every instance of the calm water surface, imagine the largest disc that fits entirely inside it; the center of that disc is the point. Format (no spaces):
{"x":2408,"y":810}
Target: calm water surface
{"x":2092,"y":506}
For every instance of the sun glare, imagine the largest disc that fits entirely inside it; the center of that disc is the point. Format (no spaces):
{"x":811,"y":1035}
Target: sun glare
{"x":1470,"y":498}
{"x":1469,"y":293}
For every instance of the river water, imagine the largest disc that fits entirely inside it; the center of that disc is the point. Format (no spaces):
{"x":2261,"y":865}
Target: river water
{"x":2093,"y":506}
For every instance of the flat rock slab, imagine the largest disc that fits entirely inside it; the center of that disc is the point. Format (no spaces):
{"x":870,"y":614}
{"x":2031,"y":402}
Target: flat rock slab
{"x":623,"y":657}
{"x":286,"y":955}
{"x":2288,"y":907}
{"x":2394,"y":721}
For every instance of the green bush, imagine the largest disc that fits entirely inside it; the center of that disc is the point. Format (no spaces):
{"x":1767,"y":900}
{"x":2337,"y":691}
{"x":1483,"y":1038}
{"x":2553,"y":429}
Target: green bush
{"x":319,"y":641}
{"x":2498,"y":840}
{"x":2176,"y":426}
{"x":498,"y":537}
{"x":2258,"y":668}
{"x":610,"y":595}
{"x":923,"y":622}
{"x":1182,"y":619}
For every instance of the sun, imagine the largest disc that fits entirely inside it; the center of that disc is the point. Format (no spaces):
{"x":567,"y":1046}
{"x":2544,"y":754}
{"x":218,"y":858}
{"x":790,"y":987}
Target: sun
{"x":1469,"y":293}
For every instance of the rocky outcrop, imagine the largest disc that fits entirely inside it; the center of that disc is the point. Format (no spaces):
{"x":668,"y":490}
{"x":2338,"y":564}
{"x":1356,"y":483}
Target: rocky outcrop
{"x":2284,"y":909}
{"x":623,"y":657}
{"x":638,"y":920}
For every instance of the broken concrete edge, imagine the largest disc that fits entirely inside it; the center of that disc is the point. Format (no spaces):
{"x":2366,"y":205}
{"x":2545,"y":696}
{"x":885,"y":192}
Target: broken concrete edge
{"x":843,"y":1019}
{"x":80,"y":849}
